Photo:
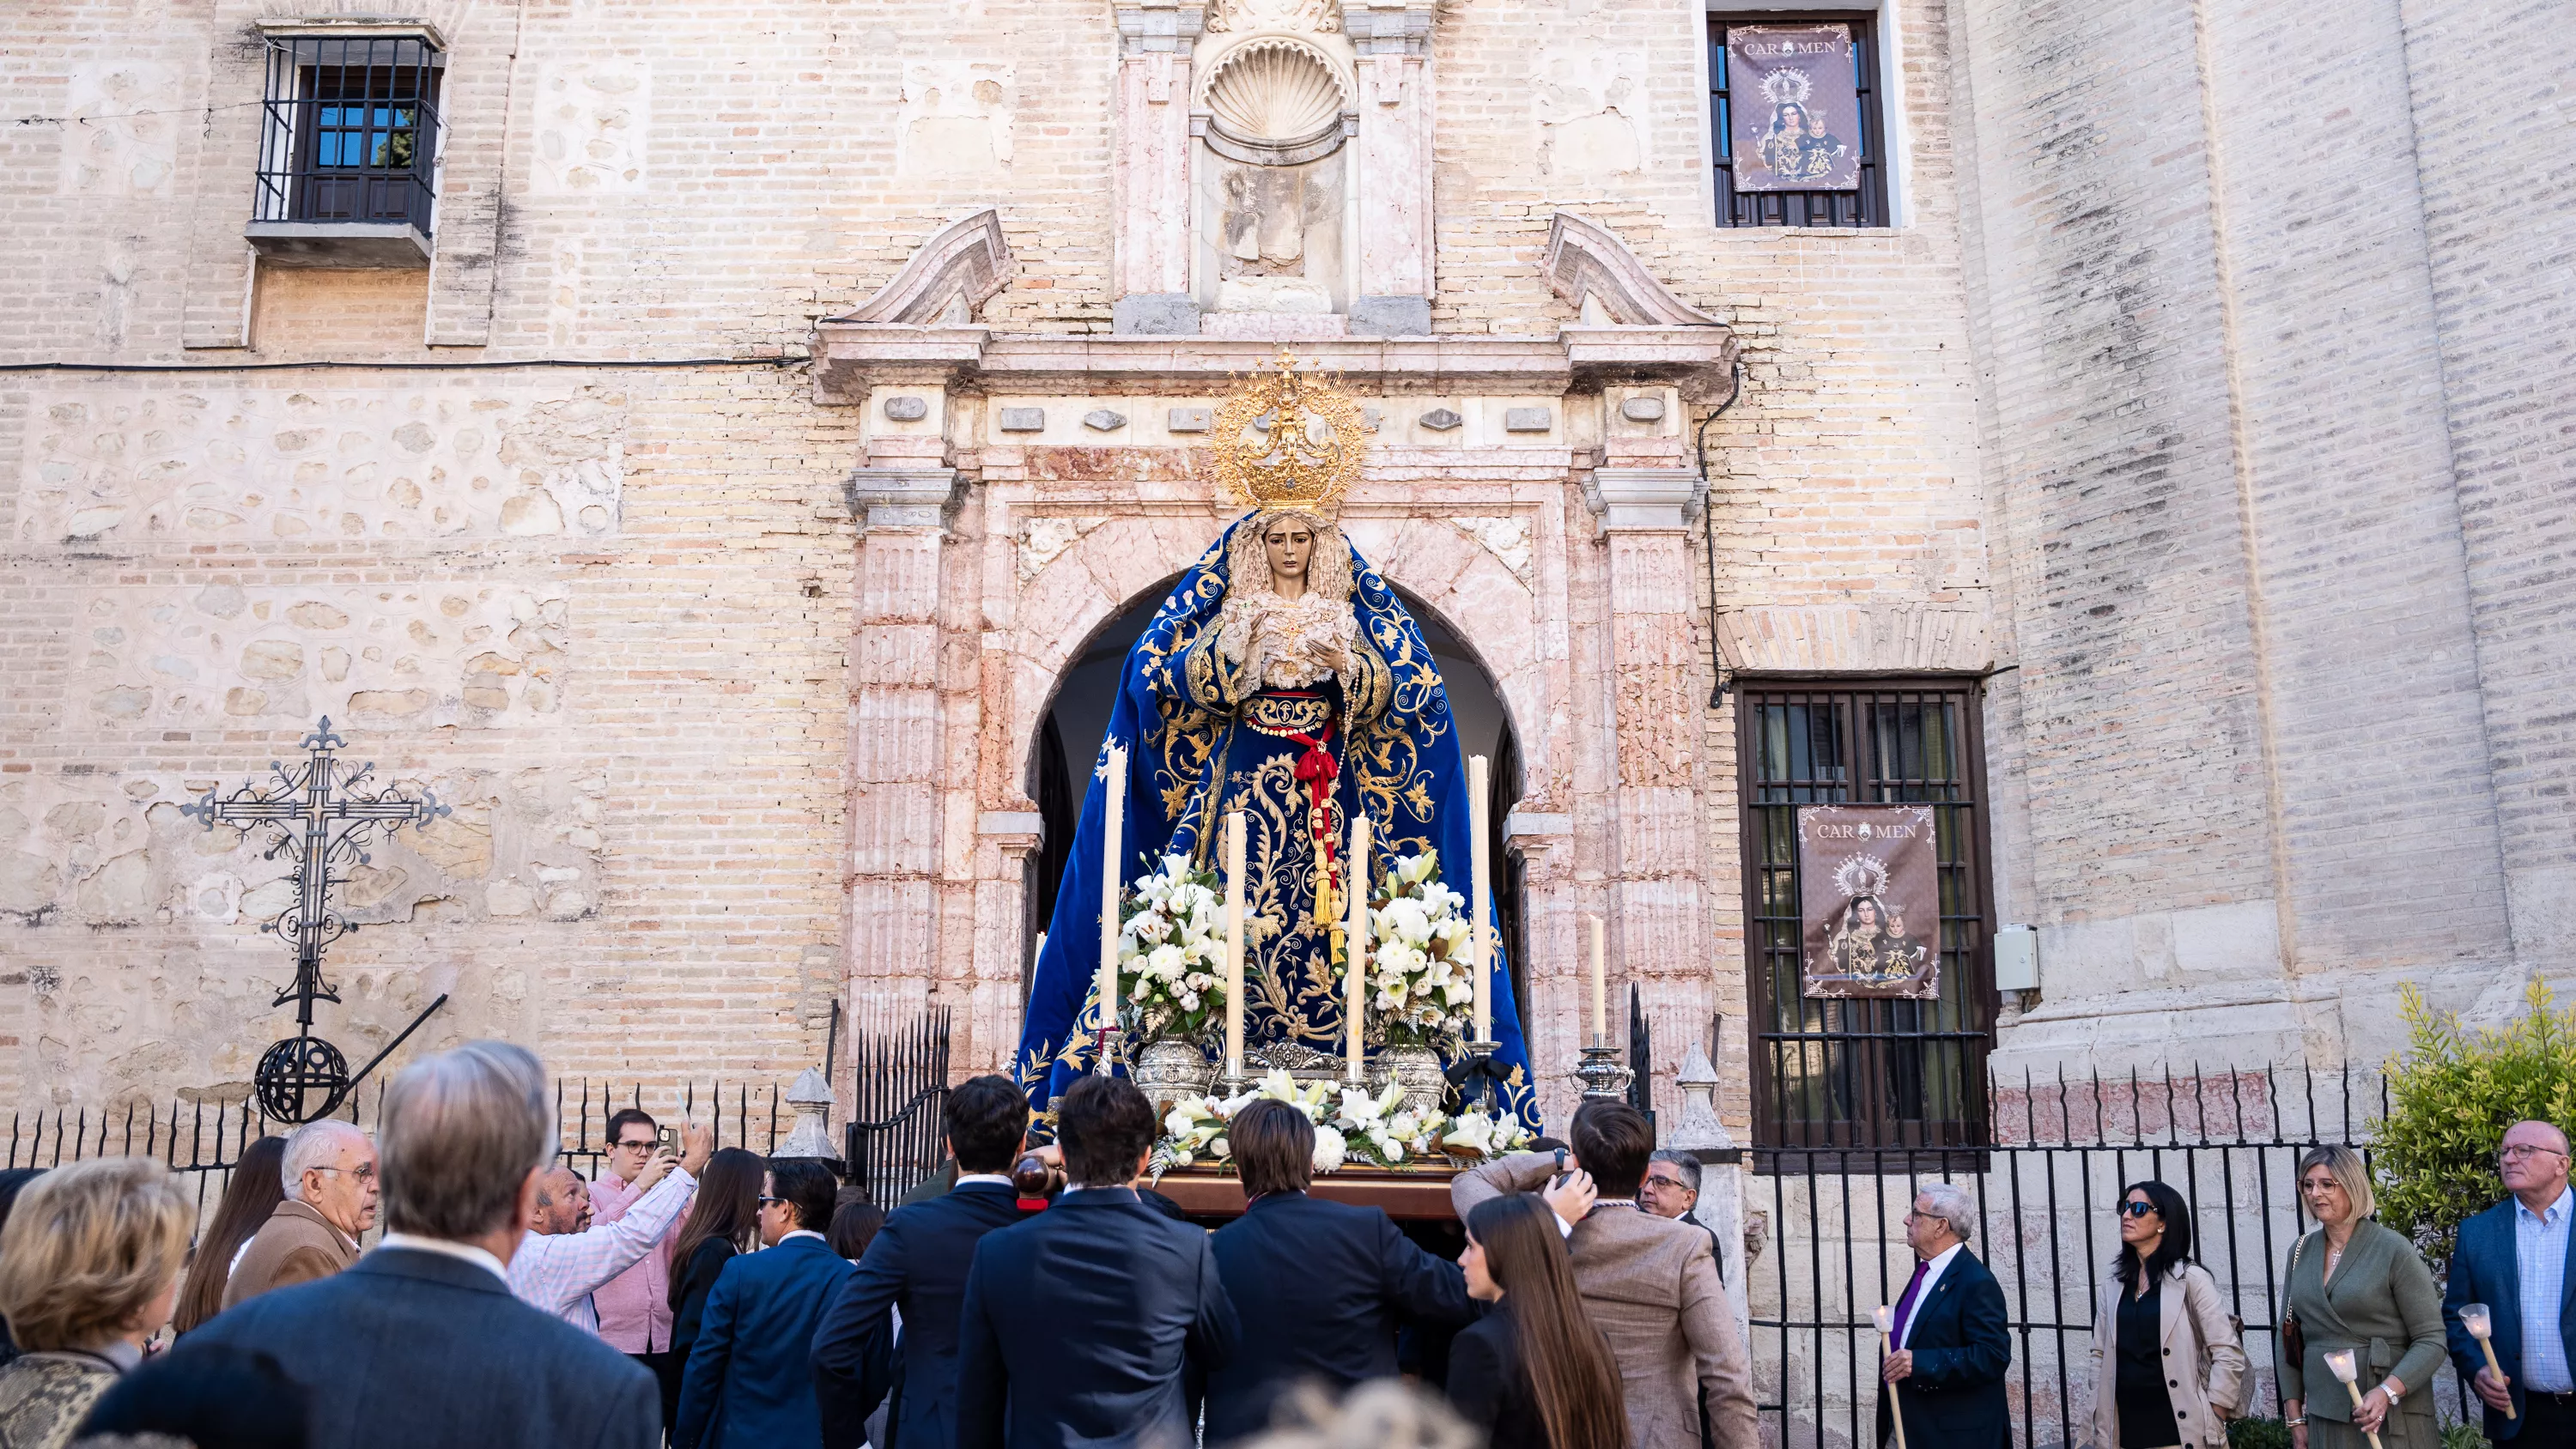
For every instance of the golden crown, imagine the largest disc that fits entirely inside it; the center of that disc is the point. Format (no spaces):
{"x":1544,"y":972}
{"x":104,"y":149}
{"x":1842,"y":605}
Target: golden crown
{"x":1288,"y":438}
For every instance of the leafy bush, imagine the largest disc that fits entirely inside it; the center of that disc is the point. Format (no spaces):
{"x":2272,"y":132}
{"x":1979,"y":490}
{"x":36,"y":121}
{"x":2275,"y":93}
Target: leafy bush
{"x":2451,"y":1096}
{"x":2462,"y":1436}
{"x":2252,"y":1433}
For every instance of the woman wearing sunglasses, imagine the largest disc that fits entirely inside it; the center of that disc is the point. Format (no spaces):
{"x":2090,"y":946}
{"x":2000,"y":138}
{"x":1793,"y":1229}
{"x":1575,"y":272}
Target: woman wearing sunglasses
{"x":2168,"y":1370}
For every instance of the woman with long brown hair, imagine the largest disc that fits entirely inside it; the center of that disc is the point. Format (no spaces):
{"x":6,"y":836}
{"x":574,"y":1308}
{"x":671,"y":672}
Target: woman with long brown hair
{"x":724,"y":1221}
{"x":1534,"y":1373}
{"x":258,"y":1185}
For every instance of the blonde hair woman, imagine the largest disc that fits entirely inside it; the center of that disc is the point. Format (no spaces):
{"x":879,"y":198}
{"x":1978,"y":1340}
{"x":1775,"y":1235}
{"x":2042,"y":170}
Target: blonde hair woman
{"x":2357,"y":1287}
{"x":89,"y":1266}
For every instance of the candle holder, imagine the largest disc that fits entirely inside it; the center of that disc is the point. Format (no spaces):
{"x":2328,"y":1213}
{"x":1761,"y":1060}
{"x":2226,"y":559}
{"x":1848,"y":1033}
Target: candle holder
{"x":1885,"y":1317}
{"x":2480,"y":1323}
{"x":2342,"y":1364}
{"x":1603,"y":1078}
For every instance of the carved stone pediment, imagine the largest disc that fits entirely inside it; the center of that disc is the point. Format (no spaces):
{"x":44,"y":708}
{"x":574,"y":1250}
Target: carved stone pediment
{"x":953,"y":274}
{"x":1586,"y":262}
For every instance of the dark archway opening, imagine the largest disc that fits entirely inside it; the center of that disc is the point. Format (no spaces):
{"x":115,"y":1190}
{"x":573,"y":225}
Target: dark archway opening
{"x":1068,"y":737}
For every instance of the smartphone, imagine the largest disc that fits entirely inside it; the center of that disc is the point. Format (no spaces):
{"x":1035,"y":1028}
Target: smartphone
{"x":670,"y":1139}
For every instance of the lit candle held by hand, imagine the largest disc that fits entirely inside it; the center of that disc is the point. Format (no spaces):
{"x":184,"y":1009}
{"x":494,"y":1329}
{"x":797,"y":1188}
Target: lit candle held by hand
{"x":2340,"y":1363}
{"x":2480,"y":1323}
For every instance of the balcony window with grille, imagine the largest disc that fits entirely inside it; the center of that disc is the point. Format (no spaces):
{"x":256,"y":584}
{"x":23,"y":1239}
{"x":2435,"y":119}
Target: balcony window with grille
{"x":1866,"y":206}
{"x":1863,"y":1075}
{"x":348,"y":150}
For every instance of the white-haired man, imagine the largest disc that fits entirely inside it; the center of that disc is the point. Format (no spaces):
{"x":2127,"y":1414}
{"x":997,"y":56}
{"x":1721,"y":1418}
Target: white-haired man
{"x":421,"y":1345}
{"x":330,"y":1179}
{"x":1950,"y":1346}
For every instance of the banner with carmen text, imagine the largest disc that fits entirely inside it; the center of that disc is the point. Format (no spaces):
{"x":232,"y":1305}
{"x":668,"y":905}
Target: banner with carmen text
{"x":1869,"y":886}
{"x":1796,"y":108}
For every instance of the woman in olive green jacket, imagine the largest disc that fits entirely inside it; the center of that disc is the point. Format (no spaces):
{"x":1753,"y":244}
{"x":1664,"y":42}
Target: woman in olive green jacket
{"x":2357,"y":1286}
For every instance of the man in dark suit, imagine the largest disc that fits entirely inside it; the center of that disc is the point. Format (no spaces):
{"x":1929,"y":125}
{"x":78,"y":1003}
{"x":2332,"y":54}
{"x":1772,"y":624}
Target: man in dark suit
{"x":917,"y":1267}
{"x":1949,"y":1347}
{"x":1082,"y":1323}
{"x":1318,"y":1287}
{"x":419,"y":1344}
{"x":749,"y":1383}
{"x":2514,"y":1258}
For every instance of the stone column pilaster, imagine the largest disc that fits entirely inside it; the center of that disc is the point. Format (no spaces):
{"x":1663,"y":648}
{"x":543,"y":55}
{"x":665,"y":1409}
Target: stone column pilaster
{"x":1660,"y":924}
{"x":1151,"y":175}
{"x":894,"y":730}
{"x":1550,"y":936}
{"x":1391,"y":160}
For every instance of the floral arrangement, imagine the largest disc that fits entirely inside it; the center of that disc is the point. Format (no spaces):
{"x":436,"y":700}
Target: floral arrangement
{"x":1421,"y":985}
{"x":1350,"y":1125}
{"x":1171,"y":953}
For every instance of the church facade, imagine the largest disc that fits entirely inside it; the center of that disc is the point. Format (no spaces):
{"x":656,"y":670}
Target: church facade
{"x":722,"y":453}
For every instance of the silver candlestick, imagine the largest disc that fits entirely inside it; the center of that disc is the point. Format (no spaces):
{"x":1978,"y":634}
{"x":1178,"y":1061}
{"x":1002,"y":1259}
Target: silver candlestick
{"x":1603,"y":1078}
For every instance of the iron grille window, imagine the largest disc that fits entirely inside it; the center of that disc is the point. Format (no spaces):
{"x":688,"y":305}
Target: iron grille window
{"x":351,"y":131}
{"x":1865,"y":207}
{"x":1865,"y":1074}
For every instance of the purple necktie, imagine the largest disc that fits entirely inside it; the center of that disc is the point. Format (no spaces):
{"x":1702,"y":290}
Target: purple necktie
{"x":1905,"y":1305}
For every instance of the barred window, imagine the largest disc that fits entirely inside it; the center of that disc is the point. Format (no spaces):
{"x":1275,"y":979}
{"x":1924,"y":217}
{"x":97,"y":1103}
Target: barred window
{"x":350,"y":134}
{"x":1864,"y":207}
{"x":1865,"y":1074}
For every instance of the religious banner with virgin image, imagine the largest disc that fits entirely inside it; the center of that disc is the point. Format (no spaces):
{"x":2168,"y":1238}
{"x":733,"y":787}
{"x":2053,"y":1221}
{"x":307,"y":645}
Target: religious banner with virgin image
{"x":1796,"y":108}
{"x":1869,"y":886}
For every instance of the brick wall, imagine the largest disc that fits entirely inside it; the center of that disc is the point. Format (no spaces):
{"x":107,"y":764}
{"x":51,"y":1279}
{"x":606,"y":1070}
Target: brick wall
{"x":2207,"y":391}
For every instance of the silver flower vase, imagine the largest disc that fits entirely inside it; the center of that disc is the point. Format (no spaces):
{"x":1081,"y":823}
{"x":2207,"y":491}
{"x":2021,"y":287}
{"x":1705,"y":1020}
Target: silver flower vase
{"x":1169,"y":1070}
{"x":1418,"y":1070}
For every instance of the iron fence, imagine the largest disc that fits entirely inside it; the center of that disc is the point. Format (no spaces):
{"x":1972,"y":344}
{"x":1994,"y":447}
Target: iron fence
{"x":899,"y":1083}
{"x":898,"y":1078}
{"x":2060,"y":1156}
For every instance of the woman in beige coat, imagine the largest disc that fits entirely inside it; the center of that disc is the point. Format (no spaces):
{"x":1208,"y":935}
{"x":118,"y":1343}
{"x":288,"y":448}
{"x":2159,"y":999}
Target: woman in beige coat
{"x":2358,"y":1287}
{"x":2167,"y":1367}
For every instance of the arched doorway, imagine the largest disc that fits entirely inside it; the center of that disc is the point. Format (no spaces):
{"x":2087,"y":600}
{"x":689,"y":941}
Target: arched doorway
{"x":1068,"y":735}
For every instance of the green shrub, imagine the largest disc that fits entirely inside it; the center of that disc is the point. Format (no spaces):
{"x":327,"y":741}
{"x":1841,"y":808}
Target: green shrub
{"x":2451,"y":1096}
{"x":2250,"y":1433}
{"x":2462,"y":1436}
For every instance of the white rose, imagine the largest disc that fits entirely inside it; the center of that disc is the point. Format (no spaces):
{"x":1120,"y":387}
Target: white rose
{"x":1330,"y":1150}
{"x":1180,"y":1158}
{"x":1179,"y":1123}
{"x":1219,"y":1150}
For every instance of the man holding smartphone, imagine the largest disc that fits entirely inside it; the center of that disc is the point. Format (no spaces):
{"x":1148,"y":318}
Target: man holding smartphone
{"x":635,"y":1306}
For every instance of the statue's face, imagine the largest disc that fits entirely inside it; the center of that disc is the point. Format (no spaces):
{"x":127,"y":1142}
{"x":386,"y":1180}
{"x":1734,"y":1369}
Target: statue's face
{"x":1291,"y":545}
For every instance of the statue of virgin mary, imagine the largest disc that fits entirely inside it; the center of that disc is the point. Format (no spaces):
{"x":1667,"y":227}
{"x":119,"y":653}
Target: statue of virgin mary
{"x":1283,"y":678}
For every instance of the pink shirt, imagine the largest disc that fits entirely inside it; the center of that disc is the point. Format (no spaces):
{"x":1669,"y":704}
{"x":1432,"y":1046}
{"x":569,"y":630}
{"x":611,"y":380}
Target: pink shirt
{"x":635,"y":1306}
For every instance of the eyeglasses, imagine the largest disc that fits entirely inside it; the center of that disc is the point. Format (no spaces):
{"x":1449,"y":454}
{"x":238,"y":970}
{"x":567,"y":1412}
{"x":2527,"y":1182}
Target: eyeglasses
{"x":2520,"y":1150}
{"x":2136,"y":1209}
{"x":644,"y":1146}
{"x":768,"y":1200}
{"x":362,"y":1174}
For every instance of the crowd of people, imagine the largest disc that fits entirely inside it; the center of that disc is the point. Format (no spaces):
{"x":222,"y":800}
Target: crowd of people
{"x":714,"y":1300}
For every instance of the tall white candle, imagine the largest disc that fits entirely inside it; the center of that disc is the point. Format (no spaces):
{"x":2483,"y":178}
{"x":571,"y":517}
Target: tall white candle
{"x":1355,"y":885}
{"x":1600,"y":992}
{"x":1481,"y":899}
{"x":1234,"y":943}
{"x":1112,"y":830}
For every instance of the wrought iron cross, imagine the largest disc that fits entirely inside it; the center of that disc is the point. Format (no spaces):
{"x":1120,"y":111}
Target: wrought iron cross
{"x":317,"y":812}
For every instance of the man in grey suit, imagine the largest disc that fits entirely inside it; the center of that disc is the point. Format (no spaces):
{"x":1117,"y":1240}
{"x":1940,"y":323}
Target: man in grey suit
{"x":1649,"y":1282}
{"x":420,"y":1345}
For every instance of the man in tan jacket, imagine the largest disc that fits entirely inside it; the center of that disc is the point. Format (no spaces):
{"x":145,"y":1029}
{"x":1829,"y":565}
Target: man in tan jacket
{"x":1648,"y":1282}
{"x":330,"y":1172}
